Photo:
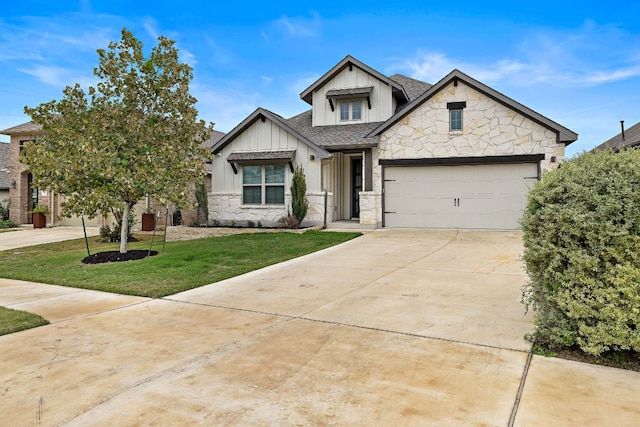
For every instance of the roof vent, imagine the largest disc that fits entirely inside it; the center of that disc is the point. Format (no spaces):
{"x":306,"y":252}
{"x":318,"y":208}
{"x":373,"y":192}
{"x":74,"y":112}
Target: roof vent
{"x":622,"y":126}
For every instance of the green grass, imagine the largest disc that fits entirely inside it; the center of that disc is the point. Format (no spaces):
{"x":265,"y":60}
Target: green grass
{"x":184,"y":265}
{"x":14,"y":320}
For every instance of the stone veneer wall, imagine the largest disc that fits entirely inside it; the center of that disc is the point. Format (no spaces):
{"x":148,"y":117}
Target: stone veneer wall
{"x":225,"y":208}
{"x":489,"y":129}
{"x":370,"y":207}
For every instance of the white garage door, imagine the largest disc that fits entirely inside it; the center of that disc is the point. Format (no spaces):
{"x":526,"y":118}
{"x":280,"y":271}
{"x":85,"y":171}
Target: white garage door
{"x":489,"y":196}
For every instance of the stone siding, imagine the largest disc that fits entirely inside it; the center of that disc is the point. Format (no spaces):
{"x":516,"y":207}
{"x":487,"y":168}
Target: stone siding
{"x":489,"y":129}
{"x":227,"y":208}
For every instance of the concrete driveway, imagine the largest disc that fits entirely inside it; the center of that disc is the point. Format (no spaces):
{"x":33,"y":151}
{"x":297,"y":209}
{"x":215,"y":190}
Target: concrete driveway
{"x":37,"y":236}
{"x":393,"y":328}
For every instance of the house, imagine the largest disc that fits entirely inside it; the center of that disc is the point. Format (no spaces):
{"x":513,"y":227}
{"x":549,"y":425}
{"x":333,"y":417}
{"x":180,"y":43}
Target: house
{"x":388,"y":151}
{"x":24,"y":196}
{"x":4,"y":172}
{"x":625,"y":139}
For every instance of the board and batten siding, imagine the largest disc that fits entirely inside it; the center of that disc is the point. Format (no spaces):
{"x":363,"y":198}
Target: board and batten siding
{"x":264,"y":136}
{"x":382,"y":102}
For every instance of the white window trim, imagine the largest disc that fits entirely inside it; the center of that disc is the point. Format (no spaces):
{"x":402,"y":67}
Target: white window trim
{"x":263,"y":186}
{"x":451,"y":129}
{"x":350,"y":103}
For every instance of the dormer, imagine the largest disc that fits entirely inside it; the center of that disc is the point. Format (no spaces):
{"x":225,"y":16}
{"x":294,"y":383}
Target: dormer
{"x":352,"y":93}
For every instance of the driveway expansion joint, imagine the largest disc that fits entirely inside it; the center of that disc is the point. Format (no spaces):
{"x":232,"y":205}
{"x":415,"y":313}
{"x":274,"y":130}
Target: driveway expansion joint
{"x":368,"y":328}
{"x":516,"y":404}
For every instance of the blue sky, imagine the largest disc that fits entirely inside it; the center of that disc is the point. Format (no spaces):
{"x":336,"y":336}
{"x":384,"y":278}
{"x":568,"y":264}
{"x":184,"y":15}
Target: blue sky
{"x":577,"y":63}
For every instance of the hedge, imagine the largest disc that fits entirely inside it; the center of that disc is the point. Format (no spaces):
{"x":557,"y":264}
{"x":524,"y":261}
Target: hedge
{"x":581,"y":229}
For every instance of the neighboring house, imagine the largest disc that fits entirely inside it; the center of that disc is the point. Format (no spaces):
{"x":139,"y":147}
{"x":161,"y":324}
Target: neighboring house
{"x":627,"y":138}
{"x":5,"y":181}
{"x":388,"y":152}
{"x":24,"y":196}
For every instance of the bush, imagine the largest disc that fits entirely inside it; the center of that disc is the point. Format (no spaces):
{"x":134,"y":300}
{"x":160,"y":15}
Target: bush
{"x":4,"y":209}
{"x":582,"y":253}
{"x":7,"y":223}
{"x":299,"y":202}
{"x":112,"y":234}
{"x":288,"y":221}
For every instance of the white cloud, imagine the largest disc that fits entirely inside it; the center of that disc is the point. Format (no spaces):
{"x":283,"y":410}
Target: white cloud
{"x":607,"y":76}
{"x":585,"y":56}
{"x":225,"y":106}
{"x":187,"y":57}
{"x":150,"y":25}
{"x":299,"y":26}
{"x":59,"y":76}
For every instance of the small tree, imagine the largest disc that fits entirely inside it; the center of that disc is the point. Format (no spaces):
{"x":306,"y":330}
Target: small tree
{"x":299,"y":202}
{"x":582,"y":253}
{"x":203,"y":200}
{"x":135,"y":134}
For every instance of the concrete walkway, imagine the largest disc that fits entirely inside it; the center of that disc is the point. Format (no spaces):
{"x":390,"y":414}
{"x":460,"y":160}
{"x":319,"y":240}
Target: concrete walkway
{"x":393,"y":328}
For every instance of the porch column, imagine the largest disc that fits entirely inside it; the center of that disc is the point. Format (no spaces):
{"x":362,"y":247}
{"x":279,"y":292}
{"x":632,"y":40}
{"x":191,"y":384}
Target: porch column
{"x":368,"y":169}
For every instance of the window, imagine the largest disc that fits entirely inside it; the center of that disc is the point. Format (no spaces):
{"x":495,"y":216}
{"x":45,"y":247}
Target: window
{"x":455,"y":120}
{"x":455,"y":115}
{"x":263,"y":185}
{"x":350,"y":110}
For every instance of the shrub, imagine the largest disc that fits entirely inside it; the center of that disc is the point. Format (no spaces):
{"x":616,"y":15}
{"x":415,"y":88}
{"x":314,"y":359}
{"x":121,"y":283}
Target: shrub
{"x":582,"y":253}
{"x":299,"y":202}
{"x":7,"y":223}
{"x":288,"y":221}
{"x":112,"y":234}
{"x":4,"y":209}
{"x":203,"y":201}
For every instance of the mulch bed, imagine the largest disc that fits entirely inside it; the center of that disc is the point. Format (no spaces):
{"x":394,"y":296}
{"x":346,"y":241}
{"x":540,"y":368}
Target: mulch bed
{"x":629,"y":360}
{"x":116,"y":256}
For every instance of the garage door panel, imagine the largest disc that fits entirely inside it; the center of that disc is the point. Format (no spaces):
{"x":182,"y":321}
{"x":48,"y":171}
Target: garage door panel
{"x":464,"y":196}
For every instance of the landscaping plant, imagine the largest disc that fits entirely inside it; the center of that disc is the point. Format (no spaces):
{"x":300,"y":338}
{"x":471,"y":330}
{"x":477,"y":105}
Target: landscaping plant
{"x":135,"y":134}
{"x":582,"y":253}
{"x":299,"y":202}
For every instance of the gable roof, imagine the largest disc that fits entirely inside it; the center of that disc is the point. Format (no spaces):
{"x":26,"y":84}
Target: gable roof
{"x":564,"y":135}
{"x":4,"y":166}
{"x":413,"y":87}
{"x":631,"y":139}
{"x":26,"y":128}
{"x":398,"y":91}
{"x":214,"y":137}
{"x":262,"y":114}
{"x":335,"y":137}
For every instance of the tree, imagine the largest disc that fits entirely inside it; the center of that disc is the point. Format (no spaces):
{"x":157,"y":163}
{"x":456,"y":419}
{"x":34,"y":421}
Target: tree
{"x":135,"y":134}
{"x":299,"y":202}
{"x":581,"y":232}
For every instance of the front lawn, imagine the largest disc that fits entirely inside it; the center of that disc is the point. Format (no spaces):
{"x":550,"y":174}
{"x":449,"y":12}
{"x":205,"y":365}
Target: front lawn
{"x":15,"y":320}
{"x":184,"y":265}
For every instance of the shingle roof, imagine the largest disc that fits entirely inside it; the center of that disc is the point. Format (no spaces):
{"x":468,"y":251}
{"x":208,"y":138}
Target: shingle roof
{"x":565,"y":135}
{"x":213,"y":139}
{"x":264,"y":114}
{"x":288,"y":155}
{"x":4,"y":166}
{"x":28,"y":127}
{"x":631,"y":139}
{"x":350,"y":61}
{"x":337,"y":136}
{"x":413,"y":87}
{"x":338,"y":93}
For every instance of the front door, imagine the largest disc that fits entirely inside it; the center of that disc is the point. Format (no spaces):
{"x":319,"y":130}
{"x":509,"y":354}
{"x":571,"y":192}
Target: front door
{"x":356,"y":186}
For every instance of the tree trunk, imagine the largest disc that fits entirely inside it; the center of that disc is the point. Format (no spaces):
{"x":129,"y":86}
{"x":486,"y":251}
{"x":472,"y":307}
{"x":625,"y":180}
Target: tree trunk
{"x":124,"y":229}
